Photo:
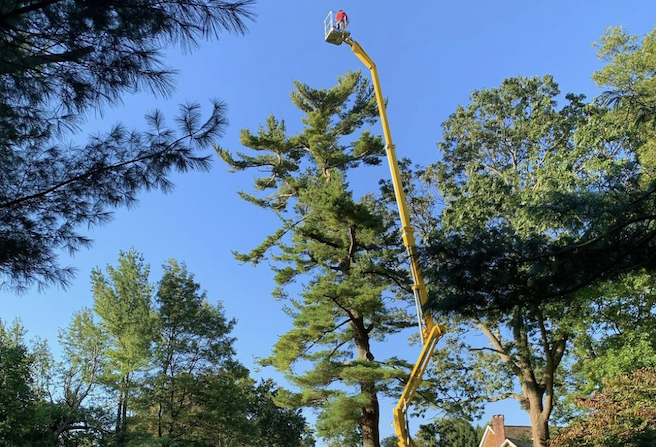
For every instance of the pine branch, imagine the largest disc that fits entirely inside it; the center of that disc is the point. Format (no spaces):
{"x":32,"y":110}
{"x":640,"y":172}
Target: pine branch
{"x":27,"y":9}
{"x":88,"y":174}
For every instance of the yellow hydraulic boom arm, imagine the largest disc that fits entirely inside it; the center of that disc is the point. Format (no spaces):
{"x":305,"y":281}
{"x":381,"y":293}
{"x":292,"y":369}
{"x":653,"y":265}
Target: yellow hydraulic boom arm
{"x":430,"y":331}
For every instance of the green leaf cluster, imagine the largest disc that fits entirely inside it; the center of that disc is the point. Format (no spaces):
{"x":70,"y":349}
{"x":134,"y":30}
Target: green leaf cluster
{"x":449,"y":433}
{"x":624,"y":414}
{"x":545,"y":241}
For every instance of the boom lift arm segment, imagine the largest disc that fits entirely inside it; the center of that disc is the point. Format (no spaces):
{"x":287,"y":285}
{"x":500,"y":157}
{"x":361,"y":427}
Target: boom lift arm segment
{"x":430,"y":331}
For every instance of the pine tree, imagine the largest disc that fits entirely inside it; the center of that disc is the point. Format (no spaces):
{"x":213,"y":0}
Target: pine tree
{"x":346,"y":251}
{"x":60,"y":59}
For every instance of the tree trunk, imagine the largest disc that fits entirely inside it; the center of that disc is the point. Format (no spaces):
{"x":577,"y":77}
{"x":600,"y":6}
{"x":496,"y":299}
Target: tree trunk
{"x":539,"y":428}
{"x":538,"y":414}
{"x":119,"y":414}
{"x":122,"y":413}
{"x":371,"y":420}
{"x":371,"y":411}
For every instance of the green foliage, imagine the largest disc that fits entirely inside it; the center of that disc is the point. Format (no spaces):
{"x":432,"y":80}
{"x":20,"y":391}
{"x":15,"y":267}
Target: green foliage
{"x":191,"y":362}
{"x":535,"y":210}
{"x":122,"y":300}
{"x":346,"y":251}
{"x":517,"y":234}
{"x":156,"y":368}
{"x":628,"y":78}
{"x":547,"y":209}
{"x":449,"y":433}
{"x":616,"y":337}
{"x":276,"y":426}
{"x":628,"y":73}
{"x":389,"y":441}
{"x":17,"y":397}
{"x":25,"y":418}
{"x":83,"y":371}
{"x":624,"y":414}
{"x":60,"y":59}
{"x":161,"y":358}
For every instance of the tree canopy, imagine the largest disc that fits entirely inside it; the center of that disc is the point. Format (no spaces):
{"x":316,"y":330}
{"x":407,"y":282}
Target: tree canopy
{"x":541,"y":202}
{"x":153,"y":364}
{"x":449,"y":433}
{"x":518,"y":188}
{"x":546,"y":236}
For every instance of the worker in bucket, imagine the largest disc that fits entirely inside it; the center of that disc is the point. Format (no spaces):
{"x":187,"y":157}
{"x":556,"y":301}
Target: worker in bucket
{"x":342,"y":20}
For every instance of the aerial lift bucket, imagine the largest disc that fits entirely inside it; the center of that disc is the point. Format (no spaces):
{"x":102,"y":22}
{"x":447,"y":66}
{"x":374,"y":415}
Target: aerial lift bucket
{"x":332,"y":34}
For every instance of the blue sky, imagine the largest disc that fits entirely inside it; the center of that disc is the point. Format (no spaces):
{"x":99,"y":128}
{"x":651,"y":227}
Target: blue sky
{"x":430,"y":56}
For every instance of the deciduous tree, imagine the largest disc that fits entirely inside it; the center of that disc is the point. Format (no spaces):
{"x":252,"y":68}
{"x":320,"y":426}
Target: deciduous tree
{"x":123,"y":302}
{"x":528,"y":198}
{"x":17,"y":396}
{"x":449,"y":433}
{"x":624,"y":414}
{"x":192,"y":353}
{"x":616,"y":337}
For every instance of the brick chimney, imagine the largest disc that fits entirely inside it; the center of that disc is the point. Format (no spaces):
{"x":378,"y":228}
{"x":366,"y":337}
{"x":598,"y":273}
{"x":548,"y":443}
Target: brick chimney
{"x":499,"y":429}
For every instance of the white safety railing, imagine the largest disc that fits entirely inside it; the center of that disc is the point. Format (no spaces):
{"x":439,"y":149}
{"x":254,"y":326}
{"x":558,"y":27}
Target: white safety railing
{"x":329,"y":24}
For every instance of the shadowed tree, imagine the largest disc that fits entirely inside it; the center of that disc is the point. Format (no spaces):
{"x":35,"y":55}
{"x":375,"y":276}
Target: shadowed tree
{"x":17,"y":396}
{"x":60,"y":59}
{"x":449,"y":433}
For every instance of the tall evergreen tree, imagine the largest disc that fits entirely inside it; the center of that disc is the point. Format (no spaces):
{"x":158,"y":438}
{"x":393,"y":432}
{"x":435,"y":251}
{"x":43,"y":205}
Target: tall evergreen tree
{"x":60,"y":59}
{"x":345,"y":251}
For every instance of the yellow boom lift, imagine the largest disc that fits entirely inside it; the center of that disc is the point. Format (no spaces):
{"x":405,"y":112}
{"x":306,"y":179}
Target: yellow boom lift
{"x":430,"y":331}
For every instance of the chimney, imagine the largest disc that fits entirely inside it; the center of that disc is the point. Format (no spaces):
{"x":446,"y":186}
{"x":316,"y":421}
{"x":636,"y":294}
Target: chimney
{"x":499,"y":429}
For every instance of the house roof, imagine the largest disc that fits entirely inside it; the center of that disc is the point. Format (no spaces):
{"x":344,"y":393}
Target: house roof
{"x":488,"y":430}
{"x":514,"y":442}
{"x":521,"y":432}
{"x":516,"y":436}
